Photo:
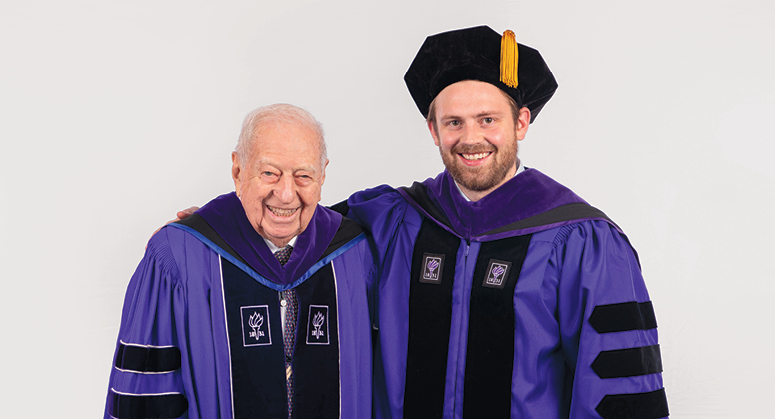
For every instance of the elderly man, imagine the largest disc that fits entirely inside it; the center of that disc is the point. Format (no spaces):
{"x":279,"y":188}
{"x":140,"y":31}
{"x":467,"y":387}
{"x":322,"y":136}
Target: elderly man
{"x":502,"y":293}
{"x":258,"y":304}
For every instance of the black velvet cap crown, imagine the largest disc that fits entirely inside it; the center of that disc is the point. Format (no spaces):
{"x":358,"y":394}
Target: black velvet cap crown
{"x":474,"y":54}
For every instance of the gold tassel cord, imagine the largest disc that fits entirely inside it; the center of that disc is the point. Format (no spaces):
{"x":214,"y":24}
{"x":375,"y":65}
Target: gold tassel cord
{"x":509,"y":59}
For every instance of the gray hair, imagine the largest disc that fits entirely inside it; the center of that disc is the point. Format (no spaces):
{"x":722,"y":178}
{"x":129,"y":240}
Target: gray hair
{"x":282,"y":112}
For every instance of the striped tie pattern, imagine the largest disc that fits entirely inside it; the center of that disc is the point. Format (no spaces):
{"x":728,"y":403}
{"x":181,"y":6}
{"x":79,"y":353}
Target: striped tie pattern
{"x":291,"y":304}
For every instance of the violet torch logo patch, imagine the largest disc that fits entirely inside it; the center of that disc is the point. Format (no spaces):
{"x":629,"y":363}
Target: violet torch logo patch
{"x":497,"y":272}
{"x":317,"y":325}
{"x":255,"y":326}
{"x":432,"y":265}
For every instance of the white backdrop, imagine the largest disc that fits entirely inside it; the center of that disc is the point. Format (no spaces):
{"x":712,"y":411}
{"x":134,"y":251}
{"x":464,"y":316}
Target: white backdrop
{"x":113,"y":115}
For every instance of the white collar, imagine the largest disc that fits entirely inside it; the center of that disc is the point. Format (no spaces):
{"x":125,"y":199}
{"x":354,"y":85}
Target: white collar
{"x":274,"y":248}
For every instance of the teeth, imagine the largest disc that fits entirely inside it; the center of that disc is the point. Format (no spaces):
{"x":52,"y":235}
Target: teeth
{"x":476,"y":156}
{"x":282,"y":212}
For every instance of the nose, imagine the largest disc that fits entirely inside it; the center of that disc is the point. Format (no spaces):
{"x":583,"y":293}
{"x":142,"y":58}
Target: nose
{"x":471,"y":134}
{"x":284,"y":189}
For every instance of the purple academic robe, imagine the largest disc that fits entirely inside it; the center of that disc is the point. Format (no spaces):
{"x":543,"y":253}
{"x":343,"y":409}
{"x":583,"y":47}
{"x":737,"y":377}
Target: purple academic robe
{"x":201,"y":333}
{"x":528,"y":303}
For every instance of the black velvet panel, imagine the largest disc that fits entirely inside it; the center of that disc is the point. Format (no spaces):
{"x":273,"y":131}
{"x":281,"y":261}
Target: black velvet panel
{"x":316,"y":355}
{"x":256,"y":346}
{"x":623,"y":317}
{"x":490,"y":354}
{"x":628,"y":362}
{"x":258,"y":362}
{"x":166,"y":406}
{"x":430,"y":317}
{"x":652,"y":405}
{"x":142,"y":359}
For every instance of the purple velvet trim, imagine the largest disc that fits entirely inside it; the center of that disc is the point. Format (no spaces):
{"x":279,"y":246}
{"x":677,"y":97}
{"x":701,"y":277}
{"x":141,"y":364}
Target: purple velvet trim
{"x":226,"y":216}
{"x":525,"y":195}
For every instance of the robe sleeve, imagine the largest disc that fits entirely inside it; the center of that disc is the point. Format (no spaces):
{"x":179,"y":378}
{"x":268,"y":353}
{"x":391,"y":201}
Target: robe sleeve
{"x":381,"y":211}
{"x":146,"y":378}
{"x":607,"y":325}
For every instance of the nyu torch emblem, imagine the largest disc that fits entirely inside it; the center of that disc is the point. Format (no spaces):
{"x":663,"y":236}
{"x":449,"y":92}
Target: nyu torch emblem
{"x":255,"y":326}
{"x":317,"y":326}
{"x":497,"y":272}
{"x":317,"y":323}
{"x":255,"y":322}
{"x":432,"y":266}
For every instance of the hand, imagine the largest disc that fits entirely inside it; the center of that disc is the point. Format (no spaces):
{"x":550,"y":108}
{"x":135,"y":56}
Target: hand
{"x":184,"y":214}
{"x":181,"y":215}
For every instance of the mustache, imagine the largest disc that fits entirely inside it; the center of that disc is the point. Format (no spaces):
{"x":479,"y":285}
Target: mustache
{"x":472,"y":148}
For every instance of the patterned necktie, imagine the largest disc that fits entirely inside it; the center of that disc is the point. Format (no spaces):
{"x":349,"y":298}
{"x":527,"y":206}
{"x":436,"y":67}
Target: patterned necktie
{"x":291,"y":304}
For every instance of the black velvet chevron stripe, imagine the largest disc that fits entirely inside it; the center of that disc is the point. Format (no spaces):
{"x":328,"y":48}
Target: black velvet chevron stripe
{"x":623,"y":317}
{"x":628,"y":362}
{"x":143,"y":359}
{"x":652,"y":405}
{"x":162,"y":406}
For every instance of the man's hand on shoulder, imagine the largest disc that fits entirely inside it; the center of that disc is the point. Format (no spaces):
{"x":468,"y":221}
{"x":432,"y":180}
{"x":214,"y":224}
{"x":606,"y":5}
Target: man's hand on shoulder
{"x":180,"y":215}
{"x":184,"y":214}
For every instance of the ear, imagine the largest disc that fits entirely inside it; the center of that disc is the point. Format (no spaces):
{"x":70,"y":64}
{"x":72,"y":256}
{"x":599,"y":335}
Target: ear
{"x":432,"y":129}
{"x":236,"y":168}
{"x":323,"y":178}
{"x":523,"y":122}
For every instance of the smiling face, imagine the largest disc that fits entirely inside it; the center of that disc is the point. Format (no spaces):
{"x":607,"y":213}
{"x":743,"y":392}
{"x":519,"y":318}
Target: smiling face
{"x":477,"y":135}
{"x":280,"y":180}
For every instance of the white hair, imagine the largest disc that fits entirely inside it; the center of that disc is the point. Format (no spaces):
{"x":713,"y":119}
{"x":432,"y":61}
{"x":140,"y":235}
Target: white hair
{"x":282,"y":112}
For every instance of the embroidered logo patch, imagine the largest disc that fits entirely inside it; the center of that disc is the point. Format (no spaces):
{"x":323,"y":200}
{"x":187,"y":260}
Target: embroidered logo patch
{"x":432,"y":265}
{"x":317,"y":326}
{"x":255,"y":326}
{"x":497,"y":272}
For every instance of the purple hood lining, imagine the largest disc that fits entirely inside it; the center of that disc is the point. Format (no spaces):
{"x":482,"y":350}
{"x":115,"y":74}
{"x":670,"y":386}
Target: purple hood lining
{"x":527,"y":203}
{"x":227,"y":217}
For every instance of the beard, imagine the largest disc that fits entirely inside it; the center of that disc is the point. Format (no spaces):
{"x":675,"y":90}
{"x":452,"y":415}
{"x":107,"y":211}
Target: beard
{"x":484,"y":177}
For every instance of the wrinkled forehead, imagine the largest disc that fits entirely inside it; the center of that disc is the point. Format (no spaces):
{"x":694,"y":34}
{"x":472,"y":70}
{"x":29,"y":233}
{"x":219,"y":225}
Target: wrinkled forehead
{"x":286,"y":145}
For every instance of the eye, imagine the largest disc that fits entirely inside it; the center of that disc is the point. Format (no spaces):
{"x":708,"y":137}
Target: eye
{"x":487,"y":120}
{"x":304,"y":178}
{"x":454,"y":123}
{"x":269,"y":177}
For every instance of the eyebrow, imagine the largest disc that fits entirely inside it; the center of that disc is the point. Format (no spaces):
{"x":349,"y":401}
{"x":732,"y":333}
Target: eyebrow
{"x":312,"y":169}
{"x":478,"y":115}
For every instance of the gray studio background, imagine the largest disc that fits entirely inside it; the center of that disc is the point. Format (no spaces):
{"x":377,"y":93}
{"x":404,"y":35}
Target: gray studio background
{"x":113,"y":115}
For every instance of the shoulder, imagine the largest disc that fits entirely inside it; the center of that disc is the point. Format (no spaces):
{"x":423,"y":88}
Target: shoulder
{"x":382,"y":195}
{"x":176,"y":252}
{"x":159,"y":247}
{"x":585,"y":230}
{"x":598,"y":240}
{"x":379,"y":207}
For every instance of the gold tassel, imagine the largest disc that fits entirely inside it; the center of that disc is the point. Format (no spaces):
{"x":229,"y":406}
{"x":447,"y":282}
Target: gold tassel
{"x":509,"y":59}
